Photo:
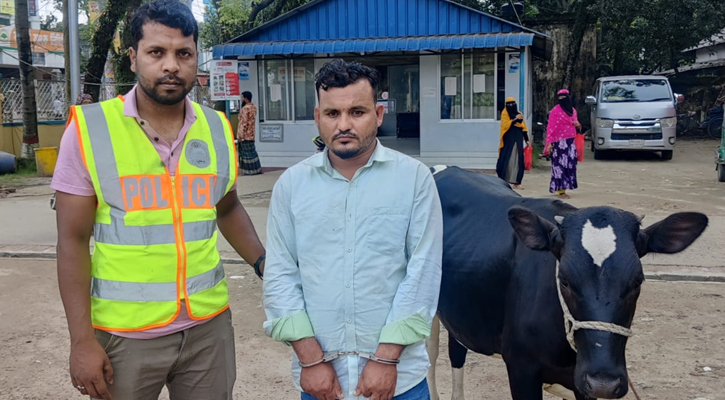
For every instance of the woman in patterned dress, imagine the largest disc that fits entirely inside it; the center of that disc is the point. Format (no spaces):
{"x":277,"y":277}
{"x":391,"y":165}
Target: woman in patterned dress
{"x":560,"y":136}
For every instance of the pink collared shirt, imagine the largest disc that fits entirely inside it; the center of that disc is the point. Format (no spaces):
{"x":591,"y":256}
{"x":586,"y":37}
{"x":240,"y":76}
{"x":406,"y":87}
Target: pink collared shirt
{"x":71,"y":176}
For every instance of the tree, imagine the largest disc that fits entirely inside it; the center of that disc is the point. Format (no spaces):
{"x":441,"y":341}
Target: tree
{"x":101,"y":43}
{"x":27,"y":81}
{"x":51,"y":23}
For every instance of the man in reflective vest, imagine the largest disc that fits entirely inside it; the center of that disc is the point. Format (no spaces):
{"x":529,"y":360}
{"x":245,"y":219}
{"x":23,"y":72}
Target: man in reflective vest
{"x":152,"y":175}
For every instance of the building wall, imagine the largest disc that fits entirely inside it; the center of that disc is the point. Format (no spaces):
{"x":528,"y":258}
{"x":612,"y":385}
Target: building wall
{"x":712,"y":53}
{"x":11,"y":136}
{"x":468,"y":144}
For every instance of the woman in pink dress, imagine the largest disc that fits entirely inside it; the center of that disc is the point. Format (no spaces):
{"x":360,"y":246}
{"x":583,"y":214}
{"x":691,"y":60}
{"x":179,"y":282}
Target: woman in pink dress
{"x":560,"y":136}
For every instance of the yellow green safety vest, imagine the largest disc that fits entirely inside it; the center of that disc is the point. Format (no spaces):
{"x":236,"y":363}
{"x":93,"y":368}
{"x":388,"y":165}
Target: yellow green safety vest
{"x":155,"y":235}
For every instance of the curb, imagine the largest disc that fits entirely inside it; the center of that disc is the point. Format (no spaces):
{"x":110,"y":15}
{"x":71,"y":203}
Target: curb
{"x":653,"y":276}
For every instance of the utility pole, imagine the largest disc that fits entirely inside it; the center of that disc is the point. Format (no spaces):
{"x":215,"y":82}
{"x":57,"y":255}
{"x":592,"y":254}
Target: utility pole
{"x":74,"y":51}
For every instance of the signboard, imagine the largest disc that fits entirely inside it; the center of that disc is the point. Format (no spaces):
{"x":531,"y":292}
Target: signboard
{"x":224,"y":80}
{"x":95,"y":9}
{"x":40,"y":41}
{"x":7,"y":7}
{"x":32,"y":8}
{"x":271,"y":133}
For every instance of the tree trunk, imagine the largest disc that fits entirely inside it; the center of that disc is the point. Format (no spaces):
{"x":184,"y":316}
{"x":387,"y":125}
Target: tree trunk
{"x":577,"y":36}
{"x":124,"y":76}
{"x":27,"y":80}
{"x":102,"y":39}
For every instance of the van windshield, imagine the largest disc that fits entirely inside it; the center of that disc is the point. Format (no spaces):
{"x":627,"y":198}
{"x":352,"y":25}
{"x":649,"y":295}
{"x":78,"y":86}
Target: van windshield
{"x":635,"y":90}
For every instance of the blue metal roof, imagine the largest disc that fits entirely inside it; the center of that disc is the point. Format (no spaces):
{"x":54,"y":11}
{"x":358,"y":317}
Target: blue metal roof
{"x":343,"y":26}
{"x":429,"y":43}
{"x":348,"y":19}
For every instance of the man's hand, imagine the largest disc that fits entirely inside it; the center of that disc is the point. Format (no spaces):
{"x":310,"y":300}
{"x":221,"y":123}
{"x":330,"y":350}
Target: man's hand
{"x":321,"y":382}
{"x":90,"y":369}
{"x":377,"y":381}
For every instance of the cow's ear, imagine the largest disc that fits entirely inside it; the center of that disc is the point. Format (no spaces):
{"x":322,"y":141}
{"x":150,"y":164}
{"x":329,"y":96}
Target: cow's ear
{"x":673,"y":234}
{"x":536,"y":232}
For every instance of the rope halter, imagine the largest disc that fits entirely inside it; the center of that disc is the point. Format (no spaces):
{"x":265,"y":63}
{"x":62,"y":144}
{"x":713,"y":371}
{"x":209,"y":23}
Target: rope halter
{"x":571,"y":325}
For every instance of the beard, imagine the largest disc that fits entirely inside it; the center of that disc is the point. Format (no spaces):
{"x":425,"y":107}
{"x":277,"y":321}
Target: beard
{"x":346,"y":152}
{"x":164,"y":97}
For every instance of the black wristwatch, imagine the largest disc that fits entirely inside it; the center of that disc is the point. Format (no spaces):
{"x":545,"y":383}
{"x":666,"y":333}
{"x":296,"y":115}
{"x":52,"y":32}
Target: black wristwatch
{"x":257,"y":264}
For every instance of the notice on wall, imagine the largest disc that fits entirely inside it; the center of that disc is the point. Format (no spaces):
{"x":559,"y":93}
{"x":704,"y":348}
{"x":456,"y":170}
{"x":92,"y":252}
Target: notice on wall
{"x":224,"y":80}
{"x":451,"y":86}
{"x":479,"y":83}
{"x":300,"y":74}
{"x":275,"y":92}
{"x":271,"y":133}
{"x":244,"y":70}
{"x":514,"y":63}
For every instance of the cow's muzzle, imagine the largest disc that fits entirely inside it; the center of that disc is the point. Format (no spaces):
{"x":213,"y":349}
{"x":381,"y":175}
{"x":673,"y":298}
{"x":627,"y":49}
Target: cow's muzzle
{"x":602,"y":386}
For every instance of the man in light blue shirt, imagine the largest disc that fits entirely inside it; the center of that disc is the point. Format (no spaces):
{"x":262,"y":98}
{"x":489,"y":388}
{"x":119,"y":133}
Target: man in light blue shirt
{"x":354,"y":247}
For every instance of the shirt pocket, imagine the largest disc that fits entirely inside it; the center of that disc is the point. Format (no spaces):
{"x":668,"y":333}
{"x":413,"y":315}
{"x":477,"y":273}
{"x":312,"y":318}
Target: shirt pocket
{"x":385,"y":230}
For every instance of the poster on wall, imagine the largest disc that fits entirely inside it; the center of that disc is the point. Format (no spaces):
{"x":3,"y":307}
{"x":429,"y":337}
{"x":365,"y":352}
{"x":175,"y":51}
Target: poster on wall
{"x":514,"y":63}
{"x":479,"y":83}
{"x":300,"y":74}
{"x":224,"y":80}
{"x":243,"y":70}
{"x":271,"y":133}
{"x":451,"y":86}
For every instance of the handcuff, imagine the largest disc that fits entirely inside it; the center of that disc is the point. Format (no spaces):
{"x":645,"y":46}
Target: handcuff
{"x":332,"y":355}
{"x":258,"y":264}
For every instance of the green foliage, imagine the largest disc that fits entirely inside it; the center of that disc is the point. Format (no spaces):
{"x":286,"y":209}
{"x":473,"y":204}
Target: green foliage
{"x":51,"y":23}
{"x":225,"y":23}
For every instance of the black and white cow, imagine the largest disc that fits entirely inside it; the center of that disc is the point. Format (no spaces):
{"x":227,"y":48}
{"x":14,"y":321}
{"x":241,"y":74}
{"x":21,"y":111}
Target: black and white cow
{"x":503,"y":255}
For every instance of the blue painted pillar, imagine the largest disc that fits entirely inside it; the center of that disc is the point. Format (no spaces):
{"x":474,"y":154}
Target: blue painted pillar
{"x":522,"y":82}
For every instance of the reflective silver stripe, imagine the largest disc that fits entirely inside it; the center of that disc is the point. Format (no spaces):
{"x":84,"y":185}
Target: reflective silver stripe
{"x":104,"y":158}
{"x":132,"y":291}
{"x":201,"y":230}
{"x":221,"y":147}
{"x":144,"y":292}
{"x":207,"y":280}
{"x":119,"y":233}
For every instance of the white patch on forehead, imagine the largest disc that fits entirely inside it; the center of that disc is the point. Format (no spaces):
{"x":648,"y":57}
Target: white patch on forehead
{"x":439,"y":168}
{"x":600,"y":243}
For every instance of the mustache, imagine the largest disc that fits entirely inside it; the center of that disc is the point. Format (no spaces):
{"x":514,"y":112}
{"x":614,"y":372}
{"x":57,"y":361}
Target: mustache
{"x":344,"y":134}
{"x":170,"y":79}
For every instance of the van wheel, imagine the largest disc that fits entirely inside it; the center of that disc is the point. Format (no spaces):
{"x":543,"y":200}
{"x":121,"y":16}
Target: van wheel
{"x":666,"y":155}
{"x":598,"y":154}
{"x":721,"y":172}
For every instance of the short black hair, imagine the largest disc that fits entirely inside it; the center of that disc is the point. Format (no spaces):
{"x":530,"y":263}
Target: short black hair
{"x":171,"y":13}
{"x":338,"y":74}
{"x":247,"y":95}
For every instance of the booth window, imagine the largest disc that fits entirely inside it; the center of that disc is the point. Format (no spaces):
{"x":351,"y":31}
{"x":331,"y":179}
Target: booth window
{"x":288,"y":87}
{"x":467,"y":86}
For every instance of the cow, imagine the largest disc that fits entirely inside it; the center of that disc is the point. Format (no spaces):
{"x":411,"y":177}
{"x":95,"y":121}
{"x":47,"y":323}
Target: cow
{"x":550,"y":288}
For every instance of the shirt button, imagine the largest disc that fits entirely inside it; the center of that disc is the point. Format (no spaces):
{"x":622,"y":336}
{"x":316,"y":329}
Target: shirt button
{"x":349,"y":321}
{"x":349,"y":250}
{"x":347,"y":286}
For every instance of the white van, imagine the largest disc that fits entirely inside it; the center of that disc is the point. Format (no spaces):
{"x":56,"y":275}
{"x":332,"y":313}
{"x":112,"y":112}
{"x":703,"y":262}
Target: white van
{"x":633,"y":113}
